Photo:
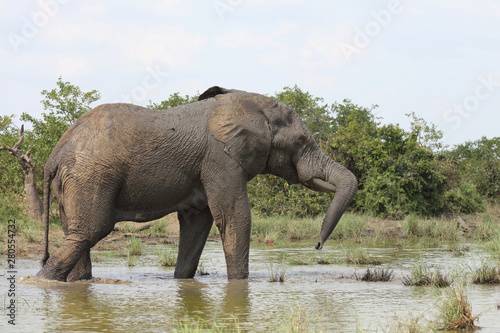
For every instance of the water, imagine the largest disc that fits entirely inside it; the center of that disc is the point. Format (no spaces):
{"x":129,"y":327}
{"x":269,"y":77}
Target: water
{"x":318,"y":295}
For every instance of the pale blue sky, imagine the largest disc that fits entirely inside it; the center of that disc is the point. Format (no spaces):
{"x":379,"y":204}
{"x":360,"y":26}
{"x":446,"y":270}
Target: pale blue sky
{"x":440,"y":59}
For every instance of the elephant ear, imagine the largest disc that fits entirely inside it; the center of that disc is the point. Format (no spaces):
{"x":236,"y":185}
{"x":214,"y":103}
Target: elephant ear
{"x":214,"y":91}
{"x":239,"y":122}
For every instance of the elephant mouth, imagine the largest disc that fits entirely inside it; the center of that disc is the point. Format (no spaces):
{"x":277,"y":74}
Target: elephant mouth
{"x":319,"y":185}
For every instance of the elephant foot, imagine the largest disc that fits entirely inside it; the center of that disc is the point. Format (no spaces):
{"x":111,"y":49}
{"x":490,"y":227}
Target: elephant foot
{"x":82,"y":269}
{"x":49,"y":273}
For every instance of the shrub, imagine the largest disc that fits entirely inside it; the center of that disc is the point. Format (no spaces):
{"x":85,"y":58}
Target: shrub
{"x":463,"y":199}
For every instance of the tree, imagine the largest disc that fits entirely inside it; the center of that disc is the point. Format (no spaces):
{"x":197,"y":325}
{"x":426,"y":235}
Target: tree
{"x":65,"y":104}
{"x":479,"y":163}
{"x":174,"y":100}
{"x":313,"y":111}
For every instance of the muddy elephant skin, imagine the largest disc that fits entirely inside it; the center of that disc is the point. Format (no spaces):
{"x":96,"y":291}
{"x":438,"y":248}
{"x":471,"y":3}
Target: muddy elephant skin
{"x":122,"y":162}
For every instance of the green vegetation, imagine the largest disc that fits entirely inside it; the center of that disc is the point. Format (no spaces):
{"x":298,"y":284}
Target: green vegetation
{"x":135,"y":246}
{"x":486,"y":274}
{"x":422,"y":275}
{"x":376,"y":275}
{"x":167,"y":257}
{"x":278,"y":272}
{"x":358,"y":256}
{"x":455,"y":310}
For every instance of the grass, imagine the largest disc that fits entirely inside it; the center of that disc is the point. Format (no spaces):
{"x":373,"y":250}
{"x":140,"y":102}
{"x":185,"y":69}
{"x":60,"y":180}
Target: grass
{"x":488,"y":228}
{"x":272,"y":229}
{"x":376,"y":275}
{"x":31,"y":233}
{"x":455,"y":310}
{"x":438,"y":228}
{"x":358,"y":256}
{"x":134,"y":246}
{"x":161,"y":228}
{"x":406,"y":324}
{"x":350,"y":226}
{"x":459,"y":251}
{"x":411,"y":226}
{"x":486,"y":274}
{"x":493,"y":247}
{"x":278,"y":275}
{"x":167,"y":257}
{"x":422,"y":275}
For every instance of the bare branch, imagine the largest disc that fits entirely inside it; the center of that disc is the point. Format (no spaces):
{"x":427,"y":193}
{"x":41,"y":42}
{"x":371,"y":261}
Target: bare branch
{"x":18,"y":143}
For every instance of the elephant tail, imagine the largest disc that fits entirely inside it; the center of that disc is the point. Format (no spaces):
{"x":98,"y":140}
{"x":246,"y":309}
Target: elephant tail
{"x":47,"y":179}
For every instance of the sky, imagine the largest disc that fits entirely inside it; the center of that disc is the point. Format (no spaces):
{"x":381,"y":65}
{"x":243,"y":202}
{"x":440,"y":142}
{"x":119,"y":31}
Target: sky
{"x":439,"y":59}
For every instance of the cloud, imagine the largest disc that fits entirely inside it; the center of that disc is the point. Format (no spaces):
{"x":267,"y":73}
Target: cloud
{"x":135,"y":45}
{"x":247,"y":39}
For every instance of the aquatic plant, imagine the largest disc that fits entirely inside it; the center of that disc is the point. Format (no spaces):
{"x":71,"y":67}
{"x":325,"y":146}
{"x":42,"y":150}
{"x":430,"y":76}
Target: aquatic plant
{"x":455,"y":310}
{"x":406,"y":324}
{"x":358,"y":256}
{"x":161,"y":228}
{"x":422,"y":275}
{"x":486,"y":274}
{"x":134,"y":246}
{"x":411,"y":226}
{"x":376,"y":275}
{"x":167,"y":257}
{"x":278,"y":275}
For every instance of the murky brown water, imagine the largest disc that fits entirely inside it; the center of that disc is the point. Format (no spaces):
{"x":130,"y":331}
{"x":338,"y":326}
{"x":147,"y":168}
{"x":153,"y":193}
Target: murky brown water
{"x":315,"y":293}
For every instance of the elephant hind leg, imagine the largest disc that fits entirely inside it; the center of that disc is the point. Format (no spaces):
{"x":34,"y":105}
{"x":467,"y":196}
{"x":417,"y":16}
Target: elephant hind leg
{"x":82,"y":269}
{"x":194,"y":229}
{"x":60,"y":264}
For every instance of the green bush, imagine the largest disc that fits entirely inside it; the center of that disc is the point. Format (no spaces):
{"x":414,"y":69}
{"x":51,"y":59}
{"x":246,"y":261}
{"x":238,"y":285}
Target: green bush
{"x":463,"y":199}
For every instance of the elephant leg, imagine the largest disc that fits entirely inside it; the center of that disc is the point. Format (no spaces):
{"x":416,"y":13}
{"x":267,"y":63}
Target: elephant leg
{"x":230,"y":209}
{"x":85,"y":221}
{"x":194,"y":230}
{"x":59,"y":265}
{"x":82,"y":269}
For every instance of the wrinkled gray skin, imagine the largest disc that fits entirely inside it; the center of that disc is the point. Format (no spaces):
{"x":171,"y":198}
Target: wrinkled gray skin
{"x":122,"y":162}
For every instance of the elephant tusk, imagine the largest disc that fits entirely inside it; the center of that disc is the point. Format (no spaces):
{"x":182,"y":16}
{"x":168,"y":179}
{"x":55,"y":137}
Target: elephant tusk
{"x":324,"y":185}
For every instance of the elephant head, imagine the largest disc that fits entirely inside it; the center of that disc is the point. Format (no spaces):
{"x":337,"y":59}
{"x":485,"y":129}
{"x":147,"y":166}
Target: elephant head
{"x":266,"y":136}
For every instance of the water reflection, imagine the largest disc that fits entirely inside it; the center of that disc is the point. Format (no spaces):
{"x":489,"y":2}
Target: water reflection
{"x":210,"y":301}
{"x":155,"y":302}
{"x":75,"y":308}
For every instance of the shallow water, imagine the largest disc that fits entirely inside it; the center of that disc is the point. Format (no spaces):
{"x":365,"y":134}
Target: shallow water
{"x":320,"y":295}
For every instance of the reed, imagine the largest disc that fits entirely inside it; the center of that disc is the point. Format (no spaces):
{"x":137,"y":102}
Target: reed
{"x":455,"y":311}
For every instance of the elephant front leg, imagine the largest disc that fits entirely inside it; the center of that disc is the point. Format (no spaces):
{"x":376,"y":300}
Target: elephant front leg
{"x":194,"y":229}
{"x":231,"y":211}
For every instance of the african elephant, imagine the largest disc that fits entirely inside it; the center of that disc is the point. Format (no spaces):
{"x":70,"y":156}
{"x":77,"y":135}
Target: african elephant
{"x":122,"y":162}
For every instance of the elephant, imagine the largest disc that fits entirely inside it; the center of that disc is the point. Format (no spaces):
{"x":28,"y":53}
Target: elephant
{"x":123,"y":162}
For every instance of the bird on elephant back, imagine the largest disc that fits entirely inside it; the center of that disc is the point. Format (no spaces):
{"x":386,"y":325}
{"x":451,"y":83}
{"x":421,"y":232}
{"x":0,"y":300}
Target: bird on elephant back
{"x":122,"y":162}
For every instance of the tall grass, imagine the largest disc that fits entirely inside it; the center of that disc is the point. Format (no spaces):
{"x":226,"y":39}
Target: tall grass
{"x":493,"y":247}
{"x":406,"y":324}
{"x":455,"y":310}
{"x":350,"y":226}
{"x":270,"y":229}
{"x":376,"y":275}
{"x":488,"y":228}
{"x":167,"y":257}
{"x":439,"y":228}
{"x":134,"y":246}
{"x":422,"y":275}
{"x":486,"y":274}
{"x":278,"y":273}
{"x":161,"y":228}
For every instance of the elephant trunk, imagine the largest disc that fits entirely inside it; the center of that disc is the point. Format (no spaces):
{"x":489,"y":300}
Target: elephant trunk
{"x":321,"y":173}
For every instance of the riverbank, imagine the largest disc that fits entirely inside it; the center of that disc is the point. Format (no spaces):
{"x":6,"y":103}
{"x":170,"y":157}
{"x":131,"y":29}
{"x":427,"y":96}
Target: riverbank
{"x":483,"y":227}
